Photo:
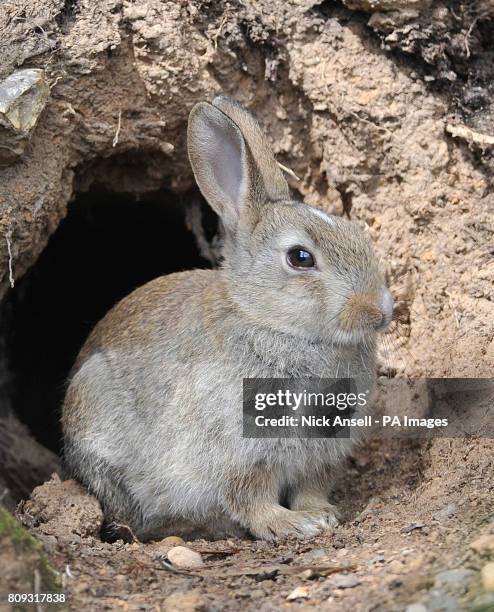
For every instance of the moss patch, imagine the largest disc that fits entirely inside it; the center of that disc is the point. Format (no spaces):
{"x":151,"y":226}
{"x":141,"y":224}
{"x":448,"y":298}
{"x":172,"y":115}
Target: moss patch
{"x":22,"y":555}
{"x":20,"y":537}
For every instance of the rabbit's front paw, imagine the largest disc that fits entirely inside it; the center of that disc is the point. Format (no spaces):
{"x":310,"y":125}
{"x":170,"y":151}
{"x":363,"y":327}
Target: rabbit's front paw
{"x":279,"y":522}
{"x":328,"y":513}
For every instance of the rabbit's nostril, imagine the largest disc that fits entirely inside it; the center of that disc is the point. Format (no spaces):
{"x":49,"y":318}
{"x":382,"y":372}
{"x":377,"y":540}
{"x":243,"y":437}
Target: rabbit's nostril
{"x":360,"y":312}
{"x":378,"y":325}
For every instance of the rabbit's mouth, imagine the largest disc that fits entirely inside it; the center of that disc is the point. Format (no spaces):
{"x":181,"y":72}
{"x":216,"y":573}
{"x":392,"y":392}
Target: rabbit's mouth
{"x":364,"y":335}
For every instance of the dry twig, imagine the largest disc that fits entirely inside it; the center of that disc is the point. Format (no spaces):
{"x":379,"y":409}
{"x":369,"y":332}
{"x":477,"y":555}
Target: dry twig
{"x":288,"y":171}
{"x":117,"y":133}
{"x":9,"y":249}
{"x":462,"y":131}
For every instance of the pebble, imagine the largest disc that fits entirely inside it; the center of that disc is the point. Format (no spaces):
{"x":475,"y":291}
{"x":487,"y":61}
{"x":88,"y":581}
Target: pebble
{"x":416,"y":607}
{"x":185,"y":558}
{"x":485,"y":543}
{"x":371,"y":508}
{"x":445,"y":513}
{"x":440,"y":601}
{"x":23,"y":95}
{"x":487,"y":574}
{"x":346,"y":582}
{"x":454,"y":577}
{"x":164,"y":546}
{"x":301,"y":592}
{"x":173,"y":541}
{"x":412,"y":527}
{"x":184,"y":602}
{"x":315,"y":555}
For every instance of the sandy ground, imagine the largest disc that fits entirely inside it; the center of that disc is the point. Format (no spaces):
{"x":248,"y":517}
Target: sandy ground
{"x":411,"y":510}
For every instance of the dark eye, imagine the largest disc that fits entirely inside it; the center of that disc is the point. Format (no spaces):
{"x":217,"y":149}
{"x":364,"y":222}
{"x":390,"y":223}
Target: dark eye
{"x":300,"y":258}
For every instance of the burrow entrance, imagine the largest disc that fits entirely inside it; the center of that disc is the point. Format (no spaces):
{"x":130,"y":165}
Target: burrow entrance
{"x":108,"y":245}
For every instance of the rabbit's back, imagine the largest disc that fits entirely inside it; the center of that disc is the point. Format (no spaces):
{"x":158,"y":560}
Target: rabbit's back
{"x":157,"y":309}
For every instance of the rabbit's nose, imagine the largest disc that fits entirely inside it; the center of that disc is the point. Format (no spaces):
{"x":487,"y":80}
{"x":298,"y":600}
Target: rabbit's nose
{"x":367,"y":310}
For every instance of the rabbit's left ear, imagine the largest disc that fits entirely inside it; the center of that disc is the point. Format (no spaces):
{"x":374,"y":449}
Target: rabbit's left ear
{"x":233,"y":165}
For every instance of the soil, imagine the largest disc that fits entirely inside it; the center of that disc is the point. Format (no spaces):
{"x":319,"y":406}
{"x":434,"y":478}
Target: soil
{"x":410,"y":511}
{"x":358,"y":99}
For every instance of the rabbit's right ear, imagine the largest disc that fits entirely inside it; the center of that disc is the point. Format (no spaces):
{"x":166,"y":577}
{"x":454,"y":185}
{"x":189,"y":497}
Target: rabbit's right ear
{"x":223,"y":165}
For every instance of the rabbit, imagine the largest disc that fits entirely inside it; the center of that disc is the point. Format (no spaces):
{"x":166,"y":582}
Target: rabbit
{"x":152,"y":418}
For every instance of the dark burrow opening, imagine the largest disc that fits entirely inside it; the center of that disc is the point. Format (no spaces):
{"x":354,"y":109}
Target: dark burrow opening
{"x":107,"y":245}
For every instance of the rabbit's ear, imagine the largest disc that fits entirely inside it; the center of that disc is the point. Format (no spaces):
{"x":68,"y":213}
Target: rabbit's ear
{"x":274,"y":182}
{"x":224,"y":165}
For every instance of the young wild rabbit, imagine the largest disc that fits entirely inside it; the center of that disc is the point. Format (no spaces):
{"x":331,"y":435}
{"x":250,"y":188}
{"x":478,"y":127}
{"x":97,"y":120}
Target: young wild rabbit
{"x":152,"y":419}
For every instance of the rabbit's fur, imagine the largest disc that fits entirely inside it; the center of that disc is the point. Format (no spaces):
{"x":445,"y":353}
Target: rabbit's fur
{"x":152,"y":418}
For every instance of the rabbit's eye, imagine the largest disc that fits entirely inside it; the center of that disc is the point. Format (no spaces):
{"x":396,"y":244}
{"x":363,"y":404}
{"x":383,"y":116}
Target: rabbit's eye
{"x":300,"y":258}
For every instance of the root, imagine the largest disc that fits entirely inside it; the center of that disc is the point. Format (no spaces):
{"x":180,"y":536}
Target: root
{"x":288,"y":171}
{"x":462,"y":131}
{"x":117,"y":133}
{"x":8,"y":237}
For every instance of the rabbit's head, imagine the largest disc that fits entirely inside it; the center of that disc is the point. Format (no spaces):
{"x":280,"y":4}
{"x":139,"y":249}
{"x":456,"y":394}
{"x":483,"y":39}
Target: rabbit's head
{"x":291,"y":267}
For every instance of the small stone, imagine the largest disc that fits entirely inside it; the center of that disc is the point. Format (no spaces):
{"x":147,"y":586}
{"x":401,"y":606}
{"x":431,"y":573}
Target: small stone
{"x":445,"y":513}
{"x":23,"y":96}
{"x":485,"y":543}
{"x":167,"y":148}
{"x":440,"y":601}
{"x":416,"y":607}
{"x":162,"y":547}
{"x":185,"y":558}
{"x":173,"y":541}
{"x":454,"y":575}
{"x":301,"y":592}
{"x":428,"y":256}
{"x":318,"y":554}
{"x":308,"y":574}
{"x":456,"y":579}
{"x":346,"y":582}
{"x":487,"y":574}
{"x":185,"y":602}
{"x":412,"y":527}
